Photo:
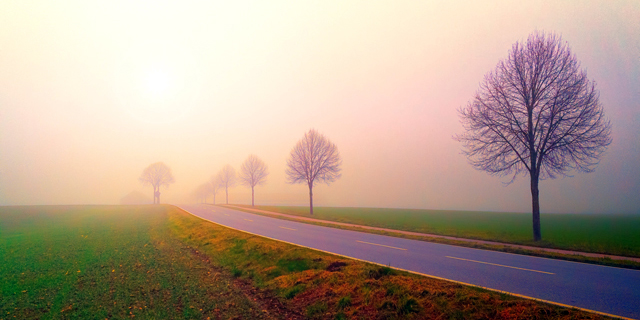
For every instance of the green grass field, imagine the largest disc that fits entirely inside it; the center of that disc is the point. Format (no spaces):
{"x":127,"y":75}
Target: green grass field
{"x":601,"y":233}
{"x":106,"y":262}
{"x":158,"y":262}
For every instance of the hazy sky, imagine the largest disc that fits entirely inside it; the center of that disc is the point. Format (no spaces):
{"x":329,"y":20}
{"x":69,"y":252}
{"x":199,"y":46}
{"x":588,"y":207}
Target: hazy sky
{"x":93,"y":92}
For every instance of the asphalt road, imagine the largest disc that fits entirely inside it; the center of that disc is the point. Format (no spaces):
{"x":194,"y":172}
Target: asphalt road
{"x":610,"y":290}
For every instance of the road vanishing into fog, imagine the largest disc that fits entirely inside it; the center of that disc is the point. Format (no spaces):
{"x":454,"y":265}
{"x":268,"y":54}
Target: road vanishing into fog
{"x":609,"y":290}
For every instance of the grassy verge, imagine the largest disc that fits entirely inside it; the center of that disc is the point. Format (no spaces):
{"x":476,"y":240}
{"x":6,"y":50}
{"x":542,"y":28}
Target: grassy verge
{"x":613,"y":234}
{"x":324,"y":286}
{"x":160,"y":262}
{"x":628,"y":264}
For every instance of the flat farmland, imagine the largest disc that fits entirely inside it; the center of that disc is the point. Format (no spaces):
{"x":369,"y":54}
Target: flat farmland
{"x":85,"y":262}
{"x":615,"y":234}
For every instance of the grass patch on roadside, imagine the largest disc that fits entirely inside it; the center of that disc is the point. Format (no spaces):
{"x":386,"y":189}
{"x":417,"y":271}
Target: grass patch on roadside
{"x":614,"y":234}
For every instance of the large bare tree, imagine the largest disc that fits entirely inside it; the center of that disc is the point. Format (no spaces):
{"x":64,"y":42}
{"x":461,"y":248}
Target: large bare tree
{"x":227,"y":178}
{"x":313,"y":159}
{"x":215,"y":185}
{"x":253,"y":172}
{"x":536,"y":114}
{"x":156,"y":175}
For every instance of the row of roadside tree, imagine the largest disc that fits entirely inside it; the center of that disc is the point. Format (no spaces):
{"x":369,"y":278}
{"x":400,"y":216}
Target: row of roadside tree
{"x":312,"y":160}
{"x":253,"y":172}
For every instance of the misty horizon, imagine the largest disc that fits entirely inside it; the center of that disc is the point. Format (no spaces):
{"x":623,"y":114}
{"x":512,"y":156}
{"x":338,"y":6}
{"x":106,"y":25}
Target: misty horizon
{"x":91,"y":94}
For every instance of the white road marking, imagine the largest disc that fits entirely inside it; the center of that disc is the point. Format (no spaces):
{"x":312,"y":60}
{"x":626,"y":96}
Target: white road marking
{"x":501,"y":265}
{"x":382,"y":245}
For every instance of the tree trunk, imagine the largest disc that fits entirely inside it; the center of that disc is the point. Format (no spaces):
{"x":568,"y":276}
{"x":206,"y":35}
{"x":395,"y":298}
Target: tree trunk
{"x":214,"y":199}
{"x":252,"y":203}
{"x":226,"y":191}
{"x":535,"y":202}
{"x":310,"y":199}
{"x":534,"y":173}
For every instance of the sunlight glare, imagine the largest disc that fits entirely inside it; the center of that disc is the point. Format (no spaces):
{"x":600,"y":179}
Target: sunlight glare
{"x":158,"y":83}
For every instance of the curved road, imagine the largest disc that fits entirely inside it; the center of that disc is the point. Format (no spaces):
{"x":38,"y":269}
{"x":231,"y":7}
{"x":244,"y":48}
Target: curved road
{"x":609,"y":290}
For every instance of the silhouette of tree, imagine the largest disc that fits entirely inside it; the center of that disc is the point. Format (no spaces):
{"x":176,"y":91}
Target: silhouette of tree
{"x":156,"y":175}
{"x":253,"y":172}
{"x":536,"y":114}
{"x":214,"y":186}
{"x":202,"y":192}
{"x":313,"y":158}
{"x":135,"y":197}
{"x":227,"y":177}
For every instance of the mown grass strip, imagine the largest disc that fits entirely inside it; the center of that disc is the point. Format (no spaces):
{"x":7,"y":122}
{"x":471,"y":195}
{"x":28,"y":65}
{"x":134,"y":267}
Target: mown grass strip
{"x":506,"y":247}
{"x":580,"y":232}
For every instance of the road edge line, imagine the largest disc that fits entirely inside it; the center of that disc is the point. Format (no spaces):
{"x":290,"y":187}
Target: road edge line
{"x":418,"y":273}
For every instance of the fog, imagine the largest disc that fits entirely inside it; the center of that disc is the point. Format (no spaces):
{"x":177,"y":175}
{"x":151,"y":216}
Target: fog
{"x":92,"y":93}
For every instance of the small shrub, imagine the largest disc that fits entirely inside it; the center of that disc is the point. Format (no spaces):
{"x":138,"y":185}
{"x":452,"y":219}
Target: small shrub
{"x":380,"y":272}
{"x":236,"y":272}
{"x":409,"y":305}
{"x":388,"y":305}
{"x":293,"y":291}
{"x":316,"y":309}
{"x":392,"y":290}
{"x":340,"y":316}
{"x":344,"y":302}
{"x":336,"y":266}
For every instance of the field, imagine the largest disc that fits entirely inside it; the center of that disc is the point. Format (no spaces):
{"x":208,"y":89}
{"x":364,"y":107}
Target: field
{"x":600,"y":233}
{"x":104,"y":262}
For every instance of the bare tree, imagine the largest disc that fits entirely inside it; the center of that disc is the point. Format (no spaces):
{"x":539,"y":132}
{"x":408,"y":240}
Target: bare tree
{"x":202,"y":192}
{"x":215,"y":185}
{"x":536,"y":114}
{"x":156,"y":175}
{"x":314,"y":158}
{"x":253,"y":172}
{"x":227,"y":176}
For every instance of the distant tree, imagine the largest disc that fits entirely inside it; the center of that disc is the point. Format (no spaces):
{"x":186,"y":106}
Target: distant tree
{"x":227,"y":176}
{"x":253,"y":172}
{"x":156,"y":175}
{"x":214,"y":186}
{"x":536,"y":114}
{"x":202,"y":192}
{"x":135,"y":197}
{"x":313,"y":159}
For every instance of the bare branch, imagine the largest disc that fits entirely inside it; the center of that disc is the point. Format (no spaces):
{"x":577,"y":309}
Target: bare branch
{"x":253,"y":172}
{"x":313,"y":159}
{"x":227,"y":178}
{"x":539,"y":83}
